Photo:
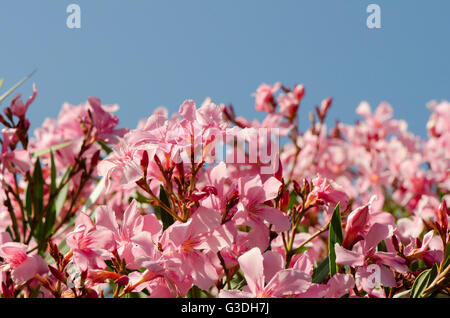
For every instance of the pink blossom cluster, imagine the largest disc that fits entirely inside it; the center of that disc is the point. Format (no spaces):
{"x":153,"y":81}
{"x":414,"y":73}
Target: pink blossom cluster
{"x":89,"y":209}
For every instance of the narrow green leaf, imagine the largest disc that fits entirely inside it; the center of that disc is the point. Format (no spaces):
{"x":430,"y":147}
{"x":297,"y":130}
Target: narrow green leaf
{"x":51,"y":149}
{"x":50,"y":217}
{"x":52,"y":174}
{"x":1,"y":82}
{"x":301,"y":250}
{"x":28,"y":203}
{"x":104,"y":146}
{"x":401,"y":294}
{"x":38,"y":188}
{"x":12,"y":89}
{"x":166,"y":219}
{"x":422,"y":281}
{"x":61,"y":198}
{"x":321,"y":271}
{"x":447,"y":256}
{"x":334,"y":236}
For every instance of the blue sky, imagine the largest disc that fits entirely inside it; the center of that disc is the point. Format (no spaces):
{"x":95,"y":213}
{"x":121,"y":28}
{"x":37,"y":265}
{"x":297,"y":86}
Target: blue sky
{"x":143,"y":54}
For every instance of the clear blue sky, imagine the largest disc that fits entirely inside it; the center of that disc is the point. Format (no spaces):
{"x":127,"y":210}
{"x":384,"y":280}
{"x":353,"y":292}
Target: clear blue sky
{"x":143,"y":54}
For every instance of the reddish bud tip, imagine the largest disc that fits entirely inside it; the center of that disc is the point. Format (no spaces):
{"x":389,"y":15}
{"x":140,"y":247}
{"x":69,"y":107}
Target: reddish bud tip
{"x":122,"y":280}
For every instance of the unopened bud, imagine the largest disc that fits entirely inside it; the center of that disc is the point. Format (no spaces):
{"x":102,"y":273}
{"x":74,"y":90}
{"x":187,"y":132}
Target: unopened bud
{"x":442,"y":221}
{"x":297,"y":188}
{"x":94,"y":159}
{"x":144,"y":161}
{"x":279,"y":172}
{"x":356,"y":222}
{"x":299,"y":92}
{"x":122,"y":280}
{"x":284,"y":203}
{"x":58,"y":275}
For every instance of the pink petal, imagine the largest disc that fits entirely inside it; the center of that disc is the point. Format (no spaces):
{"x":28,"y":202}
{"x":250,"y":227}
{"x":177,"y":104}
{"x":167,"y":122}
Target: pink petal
{"x":251,"y":264}
{"x":346,"y":257}
{"x":277,"y":218}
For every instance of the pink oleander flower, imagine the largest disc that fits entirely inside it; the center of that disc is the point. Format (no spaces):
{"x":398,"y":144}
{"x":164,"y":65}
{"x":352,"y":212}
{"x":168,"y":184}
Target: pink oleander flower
{"x":328,"y":192}
{"x":22,"y":266}
{"x":264,"y":97}
{"x":357,"y":223}
{"x":251,"y":208}
{"x":417,"y":249}
{"x":135,"y":235}
{"x":89,"y":245}
{"x":18,"y":108}
{"x":123,"y":164}
{"x":283,"y":283}
{"x":191,"y":244}
{"x":15,"y":160}
{"x":364,"y":254}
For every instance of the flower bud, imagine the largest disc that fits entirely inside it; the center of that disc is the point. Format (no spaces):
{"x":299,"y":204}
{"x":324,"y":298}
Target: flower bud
{"x":299,"y":92}
{"x":58,"y":275}
{"x":356,"y":222}
{"x":122,"y":280}
{"x":284,"y":203}
{"x":144,"y":161}
{"x":94,"y":159}
{"x":297,"y":188}
{"x":442,"y":221}
{"x":279,"y":172}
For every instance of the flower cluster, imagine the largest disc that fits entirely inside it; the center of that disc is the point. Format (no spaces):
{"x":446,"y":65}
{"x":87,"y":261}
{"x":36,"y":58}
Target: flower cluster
{"x":205,"y":203}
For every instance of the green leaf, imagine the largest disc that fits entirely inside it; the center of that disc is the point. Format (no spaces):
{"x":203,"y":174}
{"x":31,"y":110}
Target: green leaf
{"x":104,"y":146}
{"x":50,"y":218}
{"x":301,"y":250}
{"x":1,"y":82}
{"x":28,"y":203}
{"x":423,"y":281}
{"x":334,"y":236}
{"x":37,"y":197}
{"x":50,"y":149}
{"x":447,"y":256}
{"x":382,"y":246}
{"x":61,"y":198}
{"x":292,"y":199}
{"x":321,"y":271}
{"x":38,"y":189}
{"x":403,"y":293}
{"x":166,"y":218}
{"x":12,"y":89}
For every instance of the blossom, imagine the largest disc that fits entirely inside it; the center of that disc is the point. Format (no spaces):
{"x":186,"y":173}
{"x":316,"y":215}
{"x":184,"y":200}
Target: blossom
{"x":89,"y":245}
{"x":364,"y":254}
{"x":22,"y":266}
{"x":134,"y":236}
{"x":285,"y":282}
{"x":251,"y":208}
{"x":264,"y":97}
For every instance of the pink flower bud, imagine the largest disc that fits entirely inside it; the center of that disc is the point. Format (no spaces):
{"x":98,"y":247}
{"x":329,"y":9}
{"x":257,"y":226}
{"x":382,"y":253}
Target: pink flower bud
{"x":356,"y":222}
{"x":58,"y":275}
{"x":122,"y":280}
{"x":299,"y":92}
